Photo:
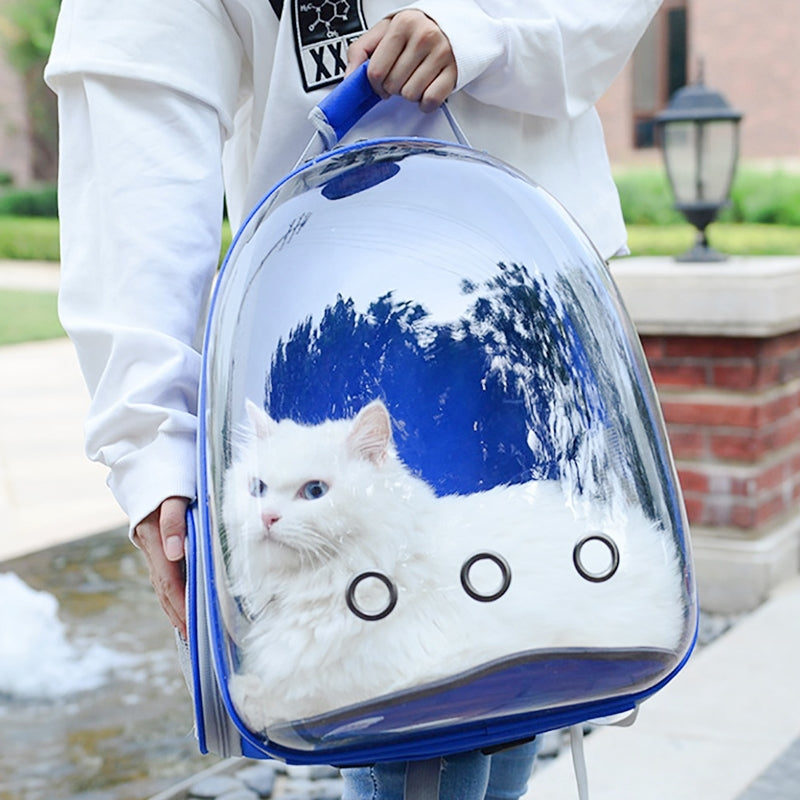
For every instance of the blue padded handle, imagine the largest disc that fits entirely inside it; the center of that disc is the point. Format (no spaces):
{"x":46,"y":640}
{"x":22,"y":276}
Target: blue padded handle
{"x":340,"y":110}
{"x":337,"y":113}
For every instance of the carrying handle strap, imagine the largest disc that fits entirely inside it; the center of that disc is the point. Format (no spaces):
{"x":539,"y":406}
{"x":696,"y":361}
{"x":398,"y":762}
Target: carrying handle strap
{"x":579,"y":761}
{"x":340,"y":110}
{"x":624,"y":720}
{"x":422,"y":779}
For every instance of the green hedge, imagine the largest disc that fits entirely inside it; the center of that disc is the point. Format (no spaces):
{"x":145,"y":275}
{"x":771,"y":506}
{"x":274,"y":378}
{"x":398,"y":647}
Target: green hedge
{"x":757,"y":197}
{"x":37,"y":201}
{"x":646,"y":198}
{"x":770,"y":199}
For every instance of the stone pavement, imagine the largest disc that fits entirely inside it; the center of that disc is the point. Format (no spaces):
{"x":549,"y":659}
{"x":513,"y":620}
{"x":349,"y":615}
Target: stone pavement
{"x":726,"y":728}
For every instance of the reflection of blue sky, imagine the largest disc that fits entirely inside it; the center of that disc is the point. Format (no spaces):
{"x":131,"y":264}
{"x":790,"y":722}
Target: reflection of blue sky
{"x":417,"y":235}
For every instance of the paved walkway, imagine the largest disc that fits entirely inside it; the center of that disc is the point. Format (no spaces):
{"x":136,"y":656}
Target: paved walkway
{"x":49,"y":491}
{"x":727,"y":727}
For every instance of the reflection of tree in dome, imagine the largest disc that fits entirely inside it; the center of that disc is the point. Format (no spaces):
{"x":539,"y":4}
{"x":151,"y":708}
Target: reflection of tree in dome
{"x":535,"y":347}
{"x":504,"y":394}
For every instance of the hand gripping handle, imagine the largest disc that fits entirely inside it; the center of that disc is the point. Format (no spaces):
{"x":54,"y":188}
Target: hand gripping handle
{"x":340,"y":110}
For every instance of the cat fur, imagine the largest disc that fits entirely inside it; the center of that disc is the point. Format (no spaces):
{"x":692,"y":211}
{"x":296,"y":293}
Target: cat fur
{"x":291,"y":558}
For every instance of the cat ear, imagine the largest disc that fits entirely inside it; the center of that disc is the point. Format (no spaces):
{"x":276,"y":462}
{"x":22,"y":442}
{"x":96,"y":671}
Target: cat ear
{"x":371,"y":433}
{"x":262,"y":423}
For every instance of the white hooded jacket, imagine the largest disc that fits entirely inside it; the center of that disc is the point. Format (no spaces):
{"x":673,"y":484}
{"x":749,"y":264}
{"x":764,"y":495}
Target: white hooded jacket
{"x":165,"y":106}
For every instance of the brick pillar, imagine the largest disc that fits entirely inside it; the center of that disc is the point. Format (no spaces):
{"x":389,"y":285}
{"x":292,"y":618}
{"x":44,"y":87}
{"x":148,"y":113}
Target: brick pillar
{"x":723,"y":344}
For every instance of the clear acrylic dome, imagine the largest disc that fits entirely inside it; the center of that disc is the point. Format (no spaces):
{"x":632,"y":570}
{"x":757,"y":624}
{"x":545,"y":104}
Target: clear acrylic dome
{"x":436,"y":484}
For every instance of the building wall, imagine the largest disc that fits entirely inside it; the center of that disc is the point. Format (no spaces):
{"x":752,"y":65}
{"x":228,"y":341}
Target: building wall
{"x":751,"y":53}
{"x":615,"y":112}
{"x":15,"y":152}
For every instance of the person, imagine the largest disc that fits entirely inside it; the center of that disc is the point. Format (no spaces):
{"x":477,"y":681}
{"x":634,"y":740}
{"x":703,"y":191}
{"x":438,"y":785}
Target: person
{"x":170,"y":112}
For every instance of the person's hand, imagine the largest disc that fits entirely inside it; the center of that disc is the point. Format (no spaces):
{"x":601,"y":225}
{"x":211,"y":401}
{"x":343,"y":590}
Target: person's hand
{"x":408,"y":55}
{"x":161,"y":536}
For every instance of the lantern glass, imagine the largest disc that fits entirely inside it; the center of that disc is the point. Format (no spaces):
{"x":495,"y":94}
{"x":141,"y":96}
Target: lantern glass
{"x":700,"y":158}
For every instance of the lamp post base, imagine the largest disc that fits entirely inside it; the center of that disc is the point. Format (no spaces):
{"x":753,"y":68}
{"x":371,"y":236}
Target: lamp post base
{"x":702,"y":251}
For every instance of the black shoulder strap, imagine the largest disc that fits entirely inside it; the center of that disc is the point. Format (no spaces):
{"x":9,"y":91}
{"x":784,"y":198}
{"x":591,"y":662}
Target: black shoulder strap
{"x":277,"y":7}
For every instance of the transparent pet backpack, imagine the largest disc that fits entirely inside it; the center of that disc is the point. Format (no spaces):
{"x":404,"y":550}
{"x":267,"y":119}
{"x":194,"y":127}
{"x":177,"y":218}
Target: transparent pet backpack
{"x":437,"y":507}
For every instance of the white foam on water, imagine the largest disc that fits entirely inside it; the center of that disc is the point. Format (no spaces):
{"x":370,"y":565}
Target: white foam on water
{"x":37,"y":660}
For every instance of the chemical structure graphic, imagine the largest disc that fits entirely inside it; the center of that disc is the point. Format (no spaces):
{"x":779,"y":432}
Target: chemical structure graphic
{"x":327,"y":13}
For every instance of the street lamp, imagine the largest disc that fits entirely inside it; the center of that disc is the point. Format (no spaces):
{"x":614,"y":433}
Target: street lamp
{"x":700,"y":141}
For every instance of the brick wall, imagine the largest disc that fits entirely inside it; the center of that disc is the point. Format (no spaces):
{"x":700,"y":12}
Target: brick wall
{"x":723,"y":344}
{"x":732,"y":408}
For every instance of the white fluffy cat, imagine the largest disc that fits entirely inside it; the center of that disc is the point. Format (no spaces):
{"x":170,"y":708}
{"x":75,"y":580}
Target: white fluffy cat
{"x":308,"y":509}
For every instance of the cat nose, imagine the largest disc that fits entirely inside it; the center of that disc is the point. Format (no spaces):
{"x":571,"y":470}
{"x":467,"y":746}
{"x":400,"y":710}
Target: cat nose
{"x":269,"y":518}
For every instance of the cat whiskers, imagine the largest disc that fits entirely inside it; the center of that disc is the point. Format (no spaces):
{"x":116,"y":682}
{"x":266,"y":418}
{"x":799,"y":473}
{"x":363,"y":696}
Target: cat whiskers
{"x":256,"y":612}
{"x":314,"y":548}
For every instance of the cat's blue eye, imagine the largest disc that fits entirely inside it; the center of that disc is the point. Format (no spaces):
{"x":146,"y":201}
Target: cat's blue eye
{"x":257,"y":487}
{"x":313,"y":490}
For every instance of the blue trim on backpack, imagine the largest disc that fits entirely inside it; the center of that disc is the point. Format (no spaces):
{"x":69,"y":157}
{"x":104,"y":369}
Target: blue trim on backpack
{"x":460,"y":738}
{"x":191,"y":626}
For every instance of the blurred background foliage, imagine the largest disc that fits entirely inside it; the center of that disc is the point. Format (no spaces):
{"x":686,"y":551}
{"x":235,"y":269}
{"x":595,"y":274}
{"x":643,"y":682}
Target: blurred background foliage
{"x":26,"y":32}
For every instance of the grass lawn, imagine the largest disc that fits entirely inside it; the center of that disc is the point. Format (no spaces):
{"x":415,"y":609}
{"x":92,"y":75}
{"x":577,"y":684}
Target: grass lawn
{"x":742,"y":240}
{"x":29,"y":238}
{"x":28,"y":316}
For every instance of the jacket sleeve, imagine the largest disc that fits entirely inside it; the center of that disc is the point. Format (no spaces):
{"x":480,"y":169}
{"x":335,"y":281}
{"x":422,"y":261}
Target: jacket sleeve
{"x":140,"y":203}
{"x":548,"y":58}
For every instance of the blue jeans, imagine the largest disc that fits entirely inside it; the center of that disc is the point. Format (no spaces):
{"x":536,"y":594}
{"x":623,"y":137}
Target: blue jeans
{"x":467,"y":776}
